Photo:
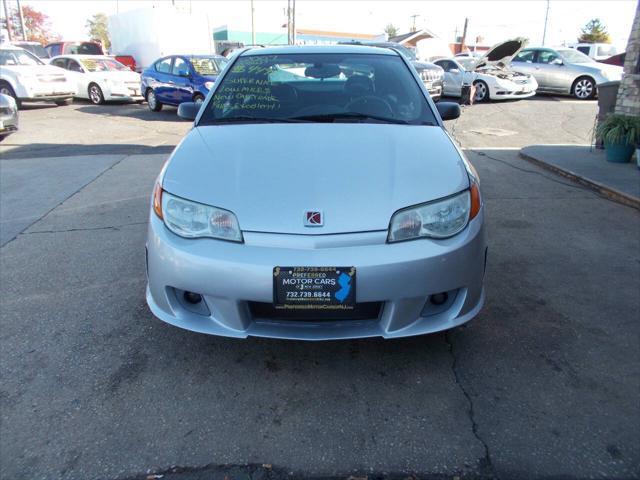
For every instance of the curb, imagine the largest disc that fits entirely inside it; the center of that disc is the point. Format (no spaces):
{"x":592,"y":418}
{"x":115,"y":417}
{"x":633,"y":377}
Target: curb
{"x":604,"y":190}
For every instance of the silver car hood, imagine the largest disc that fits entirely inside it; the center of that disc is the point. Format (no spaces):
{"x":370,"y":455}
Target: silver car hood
{"x":357,"y":175}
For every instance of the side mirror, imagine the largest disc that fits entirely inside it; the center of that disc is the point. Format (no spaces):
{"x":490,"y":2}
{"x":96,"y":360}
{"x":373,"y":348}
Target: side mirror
{"x":188,"y":110}
{"x":454,"y":70}
{"x":557,"y":61}
{"x":447,"y":110}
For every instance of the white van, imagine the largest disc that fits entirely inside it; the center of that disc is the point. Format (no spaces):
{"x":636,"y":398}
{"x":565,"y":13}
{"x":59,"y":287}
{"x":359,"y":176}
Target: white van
{"x":597,"y":51}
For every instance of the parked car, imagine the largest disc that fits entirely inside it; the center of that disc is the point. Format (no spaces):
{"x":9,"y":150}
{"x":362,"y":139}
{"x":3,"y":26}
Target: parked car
{"x":617,"y":59}
{"x":489,"y":74}
{"x":597,"y":51}
{"x":25,"y":77}
{"x":176,"y":79}
{"x":100,"y":78}
{"x":33,"y":47}
{"x":431,"y":75}
{"x":8,"y":116}
{"x":74,"y":48}
{"x":565,"y":71}
{"x":127,"y":61}
{"x":321,"y":207}
{"x":469,"y":54}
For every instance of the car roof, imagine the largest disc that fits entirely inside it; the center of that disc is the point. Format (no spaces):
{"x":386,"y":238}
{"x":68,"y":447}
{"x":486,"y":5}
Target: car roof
{"x":83,"y":56}
{"x":285,"y":49}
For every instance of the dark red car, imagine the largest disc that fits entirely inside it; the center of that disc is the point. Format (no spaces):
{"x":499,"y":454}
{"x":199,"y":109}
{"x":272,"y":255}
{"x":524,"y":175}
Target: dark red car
{"x":615,"y":60}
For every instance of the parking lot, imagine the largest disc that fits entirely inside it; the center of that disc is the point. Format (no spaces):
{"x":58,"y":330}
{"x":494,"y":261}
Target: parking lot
{"x":543,"y":384}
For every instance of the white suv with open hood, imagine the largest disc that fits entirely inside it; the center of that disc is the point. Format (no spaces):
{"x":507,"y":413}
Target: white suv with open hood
{"x":25,"y":77}
{"x":489,"y":74}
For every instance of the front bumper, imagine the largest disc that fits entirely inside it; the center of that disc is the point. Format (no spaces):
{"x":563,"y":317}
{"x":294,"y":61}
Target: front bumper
{"x":126,"y":93}
{"x":8,"y":123}
{"x":401,"y":276}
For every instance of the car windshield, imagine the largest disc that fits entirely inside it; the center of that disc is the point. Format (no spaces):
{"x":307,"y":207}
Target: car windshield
{"x":318,"y":87}
{"x":574,"y":56}
{"x":18,"y":57}
{"x":208,"y":65}
{"x":467,"y":63}
{"x":102,"y":65}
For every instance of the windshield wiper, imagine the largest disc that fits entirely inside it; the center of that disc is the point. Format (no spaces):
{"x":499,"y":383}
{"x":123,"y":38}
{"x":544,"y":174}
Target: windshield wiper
{"x":332,"y":117}
{"x":251,"y":119}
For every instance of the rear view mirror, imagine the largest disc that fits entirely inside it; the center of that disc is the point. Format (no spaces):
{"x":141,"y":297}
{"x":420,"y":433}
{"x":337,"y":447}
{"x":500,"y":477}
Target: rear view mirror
{"x":448,"y":110}
{"x":188,"y":110}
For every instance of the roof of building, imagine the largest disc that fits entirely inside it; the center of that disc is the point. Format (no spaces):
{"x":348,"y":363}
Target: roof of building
{"x":406,"y":37}
{"x":325,"y":33}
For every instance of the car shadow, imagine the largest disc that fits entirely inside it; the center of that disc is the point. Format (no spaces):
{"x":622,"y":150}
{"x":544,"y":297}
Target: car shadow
{"x":130,"y":110}
{"x":41,"y":150}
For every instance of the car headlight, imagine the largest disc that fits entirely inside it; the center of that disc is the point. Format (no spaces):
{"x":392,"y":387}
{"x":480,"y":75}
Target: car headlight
{"x":195,"y":220}
{"x":208,"y":85}
{"x":437,"y":219}
{"x":605,"y":74}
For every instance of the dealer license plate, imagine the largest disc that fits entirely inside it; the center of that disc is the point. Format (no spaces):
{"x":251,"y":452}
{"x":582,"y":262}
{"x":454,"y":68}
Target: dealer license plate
{"x":304,"y":288}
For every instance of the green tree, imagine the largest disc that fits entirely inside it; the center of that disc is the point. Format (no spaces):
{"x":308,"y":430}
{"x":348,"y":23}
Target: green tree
{"x":391,"y":30}
{"x":594,"y":32}
{"x":97,"y":27}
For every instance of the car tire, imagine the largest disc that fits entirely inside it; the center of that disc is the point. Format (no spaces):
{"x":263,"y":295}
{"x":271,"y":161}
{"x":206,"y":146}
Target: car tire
{"x":8,"y":90}
{"x":584,"y":88}
{"x":62,"y":103}
{"x":152,"y":101}
{"x":482,"y":92}
{"x":198,"y":98}
{"x":95,"y":94}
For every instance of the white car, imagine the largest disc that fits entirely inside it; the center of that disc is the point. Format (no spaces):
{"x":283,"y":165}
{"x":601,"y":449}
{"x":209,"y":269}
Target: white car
{"x":597,"y":51}
{"x":25,"y":77}
{"x":489,"y":74}
{"x":100,"y":78}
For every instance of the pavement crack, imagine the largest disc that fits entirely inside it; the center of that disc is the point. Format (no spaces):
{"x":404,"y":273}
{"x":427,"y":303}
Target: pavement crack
{"x":109,"y":227}
{"x":485,"y":464}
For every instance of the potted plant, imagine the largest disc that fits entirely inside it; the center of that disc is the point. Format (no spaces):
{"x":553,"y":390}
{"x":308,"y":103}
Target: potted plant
{"x":620,"y":135}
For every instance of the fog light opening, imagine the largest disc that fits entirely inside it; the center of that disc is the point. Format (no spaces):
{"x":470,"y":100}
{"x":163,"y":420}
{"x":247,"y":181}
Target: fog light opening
{"x":193,"y":298}
{"x":439,"y":298}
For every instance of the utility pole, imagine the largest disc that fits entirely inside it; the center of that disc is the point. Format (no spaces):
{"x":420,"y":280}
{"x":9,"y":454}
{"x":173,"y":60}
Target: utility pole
{"x":293,"y":22}
{"x":413,"y":22}
{"x":6,"y":15}
{"x":23,"y":30}
{"x":253,"y":26}
{"x":288,"y":22}
{"x":464,"y":34}
{"x":546,"y":17}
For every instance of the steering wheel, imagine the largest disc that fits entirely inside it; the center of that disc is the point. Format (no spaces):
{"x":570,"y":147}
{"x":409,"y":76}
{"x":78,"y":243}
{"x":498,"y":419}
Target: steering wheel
{"x":370,"y":104}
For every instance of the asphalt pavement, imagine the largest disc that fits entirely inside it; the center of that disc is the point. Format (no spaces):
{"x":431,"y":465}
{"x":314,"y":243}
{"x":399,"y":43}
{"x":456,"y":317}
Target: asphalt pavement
{"x":543,"y":384}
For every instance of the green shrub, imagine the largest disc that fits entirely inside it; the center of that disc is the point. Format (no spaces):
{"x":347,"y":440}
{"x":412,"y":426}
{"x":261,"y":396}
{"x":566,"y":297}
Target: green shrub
{"x":620,"y":129}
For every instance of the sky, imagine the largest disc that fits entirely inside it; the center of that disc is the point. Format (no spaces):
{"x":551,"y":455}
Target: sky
{"x":494,"y":20}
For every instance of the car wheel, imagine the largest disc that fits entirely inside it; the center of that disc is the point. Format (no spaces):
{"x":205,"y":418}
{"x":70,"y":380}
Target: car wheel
{"x":482,"y":91}
{"x":152,"y":101}
{"x":198,"y":98}
{"x":62,"y":103}
{"x":584,"y":88}
{"x":95,"y":94}
{"x":6,"y":89}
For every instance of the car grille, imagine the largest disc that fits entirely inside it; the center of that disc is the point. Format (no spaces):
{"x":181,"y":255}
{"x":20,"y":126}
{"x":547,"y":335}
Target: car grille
{"x":51,"y":78}
{"x":429,"y":75}
{"x":361,"y":311}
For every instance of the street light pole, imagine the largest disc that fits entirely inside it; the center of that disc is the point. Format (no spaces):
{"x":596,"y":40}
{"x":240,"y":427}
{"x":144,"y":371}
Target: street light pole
{"x":253,"y":27}
{"x":293,"y":22}
{"x":546,"y":17}
{"x":6,"y":15}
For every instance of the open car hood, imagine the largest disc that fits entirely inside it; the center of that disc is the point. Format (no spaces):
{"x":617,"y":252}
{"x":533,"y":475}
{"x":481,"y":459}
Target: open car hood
{"x":500,"y":53}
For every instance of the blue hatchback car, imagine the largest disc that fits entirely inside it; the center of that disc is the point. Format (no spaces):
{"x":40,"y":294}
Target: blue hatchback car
{"x":176,"y":79}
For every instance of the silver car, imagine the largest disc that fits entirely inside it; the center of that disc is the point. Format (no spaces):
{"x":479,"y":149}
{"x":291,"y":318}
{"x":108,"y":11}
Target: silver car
{"x":325,"y":203}
{"x":565,"y":71}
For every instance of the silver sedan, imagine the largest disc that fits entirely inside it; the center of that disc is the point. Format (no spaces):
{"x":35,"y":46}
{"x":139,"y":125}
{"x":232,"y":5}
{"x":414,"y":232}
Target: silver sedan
{"x":565,"y":71}
{"x":327,"y":203}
